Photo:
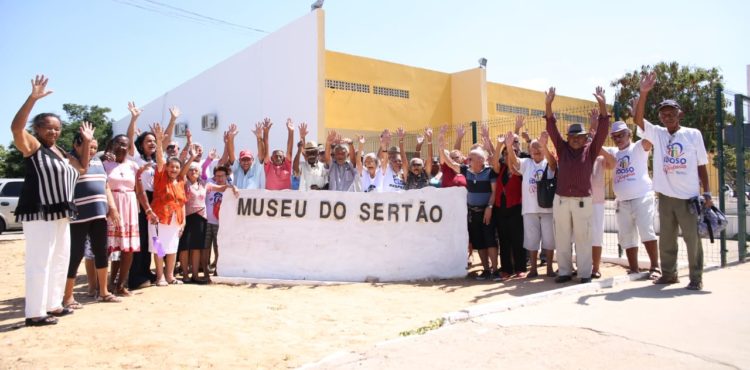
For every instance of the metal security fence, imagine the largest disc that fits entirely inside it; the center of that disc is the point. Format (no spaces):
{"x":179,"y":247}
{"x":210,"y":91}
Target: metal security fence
{"x":714,"y":253}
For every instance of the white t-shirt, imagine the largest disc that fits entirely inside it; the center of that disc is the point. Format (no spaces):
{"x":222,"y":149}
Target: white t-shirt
{"x":597,"y":181}
{"x":312,"y":175}
{"x":374,"y":184}
{"x":630,"y":177}
{"x":532,"y":172}
{"x":147,"y":176}
{"x":391,"y":181}
{"x":676,"y":160}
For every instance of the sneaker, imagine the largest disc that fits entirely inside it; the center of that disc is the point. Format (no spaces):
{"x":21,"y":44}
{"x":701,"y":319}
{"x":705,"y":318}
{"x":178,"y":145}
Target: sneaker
{"x":563,"y":279}
{"x":497,"y":276}
{"x":585,"y":280}
{"x":485,"y":275}
{"x":695,"y":285}
{"x":664,"y":279}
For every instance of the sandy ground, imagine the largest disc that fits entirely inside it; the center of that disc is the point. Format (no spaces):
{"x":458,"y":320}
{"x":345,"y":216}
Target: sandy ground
{"x":222,"y":326}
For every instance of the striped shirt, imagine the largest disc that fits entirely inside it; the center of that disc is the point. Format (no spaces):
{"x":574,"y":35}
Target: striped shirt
{"x":47,"y":192}
{"x":574,"y":167}
{"x":478,"y":185}
{"x":90,"y":194}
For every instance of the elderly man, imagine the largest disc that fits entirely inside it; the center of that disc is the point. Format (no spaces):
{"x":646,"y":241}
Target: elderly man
{"x":313,"y":172}
{"x":635,"y":196}
{"x":679,"y":168}
{"x":247,"y":172}
{"x":342,"y":173}
{"x":279,"y":169}
{"x":572,"y":209}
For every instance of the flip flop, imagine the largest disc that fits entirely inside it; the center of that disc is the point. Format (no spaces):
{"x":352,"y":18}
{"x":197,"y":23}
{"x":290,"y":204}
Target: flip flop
{"x":654,"y":273}
{"x":176,"y":282}
{"x":596,"y":275}
{"x":109,"y":298}
{"x":162,"y":283}
{"x":74,"y":305}
{"x":62,"y":312}
{"x":42,"y":321}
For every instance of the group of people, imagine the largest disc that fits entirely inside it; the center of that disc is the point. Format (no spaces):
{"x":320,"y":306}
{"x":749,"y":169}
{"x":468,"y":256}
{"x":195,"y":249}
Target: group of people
{"x":144,"y":198}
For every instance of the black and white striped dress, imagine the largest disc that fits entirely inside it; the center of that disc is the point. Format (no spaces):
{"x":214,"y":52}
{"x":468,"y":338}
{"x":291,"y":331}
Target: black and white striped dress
{"x":47,"y":193}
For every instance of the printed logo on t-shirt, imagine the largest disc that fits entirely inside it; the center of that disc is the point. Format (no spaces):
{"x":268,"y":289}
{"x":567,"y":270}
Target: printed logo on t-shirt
{"x":674,"y":160}
{"x":216,"y":201}
{"x":624,"y":169}
{"x":534,"y":179}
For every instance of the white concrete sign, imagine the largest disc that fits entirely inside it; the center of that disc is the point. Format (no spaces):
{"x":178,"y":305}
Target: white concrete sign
{"x":340,"y":236}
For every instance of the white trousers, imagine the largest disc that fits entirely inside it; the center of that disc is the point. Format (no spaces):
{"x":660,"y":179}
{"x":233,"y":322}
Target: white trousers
{"x":47,"y":259}
{"x":573,"y":218}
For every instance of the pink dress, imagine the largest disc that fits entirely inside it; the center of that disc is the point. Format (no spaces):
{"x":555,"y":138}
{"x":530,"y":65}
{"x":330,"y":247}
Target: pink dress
{"x":124,"y":237}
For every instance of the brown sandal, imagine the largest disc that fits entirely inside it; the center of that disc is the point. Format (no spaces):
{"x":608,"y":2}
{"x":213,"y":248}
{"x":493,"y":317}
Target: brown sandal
{"x":124,"y":292}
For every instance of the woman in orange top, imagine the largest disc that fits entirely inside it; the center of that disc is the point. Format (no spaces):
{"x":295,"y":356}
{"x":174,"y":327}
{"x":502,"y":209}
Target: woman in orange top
{"x":167,"y":212}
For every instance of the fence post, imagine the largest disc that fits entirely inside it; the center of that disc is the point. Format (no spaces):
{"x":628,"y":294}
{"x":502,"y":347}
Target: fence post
{"x":740,"y":153}
{"x":617,"y":109}
{"x":474,"y":132}
{"x":720,"y":153}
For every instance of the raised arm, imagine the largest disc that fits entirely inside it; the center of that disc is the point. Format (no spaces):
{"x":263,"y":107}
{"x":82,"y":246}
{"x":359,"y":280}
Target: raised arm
{"x":174,"y":113}
{"x":135,"y":112}
{"x":185,"y":151}
{"x":510,"y":159}
{"x":602,"y":129}
{"x":428,"y":157}
{"x":229,"y":137}
{"x":360,"y":152}
{"x":207,"y":163}
{"x":499,"y":149}
{"x":551,"y":127}
{"x":81,"y":164}
{"x":300,"y":146}
{"x":385,"y":142}
{"x":25,"y":142}
{"x":266,"y":131}
{"x":647,"y":83}
{"x":551,"y":160}
{"x":418,"y":147}
{"x":159,"y":135}
{"x":460,"y":132}
{"x":289,"y":139}
{"x":445,"y":158}
{"x":330,"y":139}
{"x":401,"y":136}
{"x":192,"y":153}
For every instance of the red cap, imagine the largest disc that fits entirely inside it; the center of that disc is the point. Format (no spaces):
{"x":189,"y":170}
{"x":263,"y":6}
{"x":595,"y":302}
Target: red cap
{"x":246,"y":154}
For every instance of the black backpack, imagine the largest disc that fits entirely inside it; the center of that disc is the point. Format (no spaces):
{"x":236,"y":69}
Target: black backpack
{"x":545,"y":189}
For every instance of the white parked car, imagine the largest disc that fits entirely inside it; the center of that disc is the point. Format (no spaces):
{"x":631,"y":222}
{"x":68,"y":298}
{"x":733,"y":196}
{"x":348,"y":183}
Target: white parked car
{"x":10,"y":189}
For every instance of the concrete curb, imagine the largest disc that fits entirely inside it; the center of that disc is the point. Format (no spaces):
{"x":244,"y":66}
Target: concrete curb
{"x":283,"y":282}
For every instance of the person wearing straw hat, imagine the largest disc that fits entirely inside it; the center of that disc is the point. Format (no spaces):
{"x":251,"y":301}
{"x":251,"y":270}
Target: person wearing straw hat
{"x":313,"y":172}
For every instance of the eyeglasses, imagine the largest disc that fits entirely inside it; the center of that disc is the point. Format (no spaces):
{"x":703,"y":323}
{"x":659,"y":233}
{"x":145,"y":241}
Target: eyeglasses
{"x":416,"y":165}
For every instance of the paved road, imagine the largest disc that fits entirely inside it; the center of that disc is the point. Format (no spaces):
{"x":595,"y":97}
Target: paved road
{"x":631,"y":325}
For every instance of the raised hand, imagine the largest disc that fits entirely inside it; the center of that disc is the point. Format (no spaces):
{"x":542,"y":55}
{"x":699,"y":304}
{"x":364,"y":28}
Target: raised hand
{"x":361,"y":139}
{"x":267,"y":124}
{"x":87,"y":131}
{"x":226,"y":137}
{"x":134,"y":110}
{"x":188,"y":135}
{"x":543,"y":138}
{"x":648,"y":82}
{"x":174,"y":112}
{"x":385,"y":137}
{"x":520,"y":122}
{"x":138,"y":132}
{"x":345,"y":140}
{"x":303,"y":130}
{"x":599,"y":95}
{"x":428,"y":134}
{"x":509,"y":138}
{"x":420,"y":139}
{"x":594,"y":117}
{"x":486,"y":143}
{"x":443,"y":130}
{"x":549,"y":96}
{"x":632,"y":103}
{"x":158,"y":132}
{"x":289,"y":125}
{"x":39,"y":87}
{"x":525,"y":136}
{"x":212,"y":154}
{"x":198,"y":150}
{"x":401,"y":133}
{"x":460,"y":130}
{"x":331,"y":136}
{"x":501,"y":139}
{"x":258,"y":131}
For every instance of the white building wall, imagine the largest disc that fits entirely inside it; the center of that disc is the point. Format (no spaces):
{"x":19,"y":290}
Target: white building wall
{"x":277,"y":77}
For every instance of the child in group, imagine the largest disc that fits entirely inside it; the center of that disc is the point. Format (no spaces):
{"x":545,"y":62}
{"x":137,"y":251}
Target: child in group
{"x":214,"y":195}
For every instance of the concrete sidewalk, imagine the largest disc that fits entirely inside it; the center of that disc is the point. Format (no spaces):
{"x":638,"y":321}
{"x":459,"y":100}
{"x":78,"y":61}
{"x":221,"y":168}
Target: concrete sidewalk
{"x":631,"y":325}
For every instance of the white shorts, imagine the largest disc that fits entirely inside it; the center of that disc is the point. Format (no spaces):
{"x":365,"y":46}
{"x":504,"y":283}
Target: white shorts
{"x":538,"y":227}
{"x":169,"y":235}
{"x":635,"y":213}
{"x":597,"y":224}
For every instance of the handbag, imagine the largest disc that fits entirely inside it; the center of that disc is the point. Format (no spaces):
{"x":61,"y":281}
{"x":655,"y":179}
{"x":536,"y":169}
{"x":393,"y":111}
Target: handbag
{"x":711,"y":221}
{"x":545,"y":189}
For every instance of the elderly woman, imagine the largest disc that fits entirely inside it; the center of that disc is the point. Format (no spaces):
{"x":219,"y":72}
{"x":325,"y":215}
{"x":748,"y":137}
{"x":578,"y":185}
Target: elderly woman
{"x":45,"y":204}
{"x":418,"y":175}
{"x":167,"y":211}
{"x":193,"y":239}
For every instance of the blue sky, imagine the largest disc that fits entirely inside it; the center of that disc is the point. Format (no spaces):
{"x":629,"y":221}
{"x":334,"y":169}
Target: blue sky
{"x":107,"y":52}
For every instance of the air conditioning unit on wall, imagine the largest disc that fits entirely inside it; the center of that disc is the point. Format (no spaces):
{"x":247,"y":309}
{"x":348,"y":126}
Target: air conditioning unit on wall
{"x":180,"y":129}
{"x":209,"y":122}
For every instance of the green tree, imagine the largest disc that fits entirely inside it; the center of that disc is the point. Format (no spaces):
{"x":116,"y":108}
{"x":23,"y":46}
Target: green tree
{"x":11,"y":164}
{"x":693,"y":87}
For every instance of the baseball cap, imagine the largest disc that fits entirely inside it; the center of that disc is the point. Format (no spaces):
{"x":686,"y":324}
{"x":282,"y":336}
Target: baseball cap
{"x":619,"y":126}
{"x":246,"y":154}
{"x":669,"y":103}
{"x":576,"y":129}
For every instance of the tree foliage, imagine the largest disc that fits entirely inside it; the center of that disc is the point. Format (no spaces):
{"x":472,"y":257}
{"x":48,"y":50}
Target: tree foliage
{"x":693,"y":87}
{"x":11,"y":160}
